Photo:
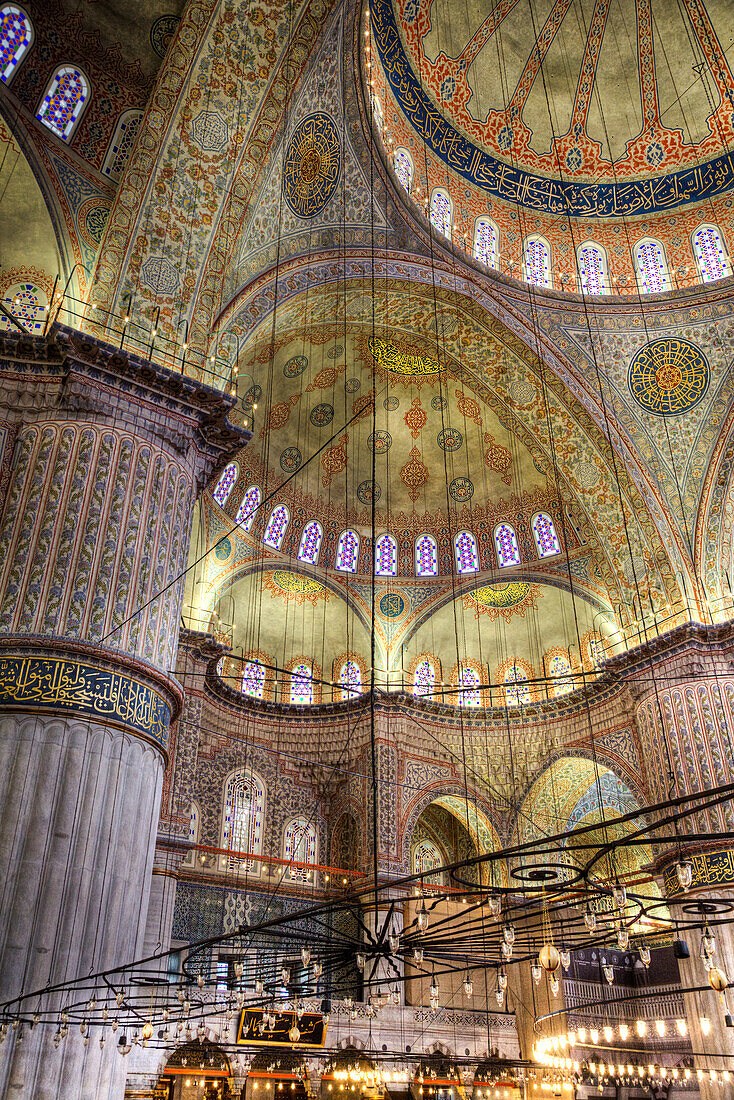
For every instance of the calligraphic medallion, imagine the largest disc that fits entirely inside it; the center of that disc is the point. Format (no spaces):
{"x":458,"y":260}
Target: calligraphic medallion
{"x":669,"y":376}
{"x":312,"y":163}
{"x":389,"y":356}
{"x":392,"y":605}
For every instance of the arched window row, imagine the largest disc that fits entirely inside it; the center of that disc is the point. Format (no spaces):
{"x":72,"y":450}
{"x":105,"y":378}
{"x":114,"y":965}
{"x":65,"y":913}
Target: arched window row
{"x":243,"y":826}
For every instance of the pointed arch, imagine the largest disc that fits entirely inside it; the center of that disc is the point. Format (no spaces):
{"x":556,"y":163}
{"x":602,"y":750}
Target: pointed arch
{"x":350,"y":676}
{"x":426,"y":556}
{"x":466,"y":553}
{"x":300,"y":845}
{"x":425,"y":673}
{"x":404,"y":168}
{"x":386,"y":556}
{"x":243,"y":818}
{"x":486,"y":241}
{"x":347,"y":552}
{"x":310,"y":545}
{"x":536,"y":254}
{"x":711,"y":253}
{"x":651,"y":266}
{"x":64,"y":101}
{"x":505,"y":541}
{"x":16,"y":39}
{"x":516,"y":673}
{"x":544,"y":533}
{"x":593,"y":266}
{"x":226,"y":484}
{"x":277,"y":526}
{"x":304,"y":685}
{"x":249,"y":506}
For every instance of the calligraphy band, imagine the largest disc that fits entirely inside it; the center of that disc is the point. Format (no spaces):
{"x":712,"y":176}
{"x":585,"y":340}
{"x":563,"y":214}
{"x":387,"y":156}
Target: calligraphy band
{"x":709,"y":869}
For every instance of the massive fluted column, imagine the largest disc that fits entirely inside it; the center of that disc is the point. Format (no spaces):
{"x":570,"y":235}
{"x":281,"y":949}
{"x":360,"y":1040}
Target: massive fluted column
{"x":109,"y":453}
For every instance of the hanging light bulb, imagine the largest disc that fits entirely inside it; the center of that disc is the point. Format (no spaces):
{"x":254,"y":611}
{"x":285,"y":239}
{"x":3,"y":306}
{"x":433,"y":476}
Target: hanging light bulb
{"x":120,"y":996}
{"x":705,"y":1025}
{"x":641,"y":1028}
{"x":294,"y":1034}
{"x":468,"y":986}
{"x":536,"y":971}
{"x":361,"y":961}
{"x":433,"y":989}
{"x":502,"y":979}
{"x":395,"y":996}
{"x":623,"y":938}
{"x":717,"y":979}
{"x":499,"y":996}
{"x":623,"y":1032}
{"x":418,"y":954}
{"x":259,"y":985}
{"x":114,"y":1025}
{"x":708,"y":941}
{"x":607,"y":1033}
{"x":200,"y":980}
{"x":305,"y":955}
{"x":549,"y":958}
{"x":506,"y":950}
{"x":91,"y":1003}
{"x":684,"y":871}
{"x":285,"y":975}
{"x":608,"y":971}
{"x":590,"y":920}
{"x":554,"y":984}
{"x":394,"y":942}
{"x":239,"y":969}
{"x":318,"y":970}
{"x":508,"y":934}
{"x":682,"y":1027}
{"x":495,"y":904}
{"x":565,"y":958}
{"x":660,"y":1027}
{"x":422,"y":917}
{"x":644,"y":953}
{"x":619,"y":894}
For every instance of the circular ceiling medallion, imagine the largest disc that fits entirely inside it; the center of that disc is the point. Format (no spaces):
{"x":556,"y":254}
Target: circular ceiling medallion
{"x":295,"y":366}
{"x":336,"y":351}
{"x":369,"y":491}
{"x":162,"y":32}
{"x":392,"y":605}
{"x":438,"y":403}
{"x":461,"y":489}
{"x":321,"y":415}
{"x":290,"y":460}
{"x":668,"y":376}
{"x":391,"y":403}
{"x":311,"y":168}
{"x":253,"y":394}
{"x":380,"y":442}
{"x":450,"y":439}
{"x":352,"y":385}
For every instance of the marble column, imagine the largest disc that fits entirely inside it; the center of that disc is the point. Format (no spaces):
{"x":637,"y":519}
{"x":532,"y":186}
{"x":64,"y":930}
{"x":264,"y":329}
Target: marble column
{"x":108,"y":453}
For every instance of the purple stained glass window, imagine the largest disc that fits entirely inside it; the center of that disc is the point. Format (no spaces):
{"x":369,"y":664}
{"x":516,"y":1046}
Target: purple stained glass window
{"x":537,"y":262}
{"x":441,"y":212}
{"x":386,"y":556}
{"x":347,"y":552}
{"x":546,"y":539}
{"x":592,"y":269}
{"x":651,"y":267}
{"x":467,"y":558}
{"x":426,"y":556}
{"x":247,"y":509}
{"x":404,"y":168}
{"x":308,"y":551}
{"x":560,"y":669}
{"x":275,"y":530}
{"x":253,"y":679}
{"x":508,"y":552}
{"x":424,"y":678}
{"x":243,"y":817}
{"x":485,"y":242}
{"x":122,"y":143}
{"x":515,"y":693}
{"x":713,"y":262}
{"x":469,"y":681}
{"x":299,"y":845}
{"x":63,"y":103}
{"x":350,"y":679}
{"x":226,"y":484}
{"x":301,"y":684}
{"x":16,"y":36}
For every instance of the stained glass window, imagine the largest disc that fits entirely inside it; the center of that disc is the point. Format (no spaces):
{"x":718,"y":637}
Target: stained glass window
{"x":301,"y":684}
{"x":225,"y":484}
{"x":377,"y":114}
{"x":386,"y":556}
{"x":469,"y":680}
{"x":299,"y":845}
{"x":441,"y":211}
{"x":404,"y":168}
{"x":350,"y":679}
{"x":308,"y":551}
{"x":253,"y":679}
{"x":467,"y":558}
{"x":424,"y":677}
{"x":194,"y":828}
{"x":242,"y":817}
{"x":652,"y":269}
{"x":505,"y":540}
{"x":485,"y":242}
{"x":247,"y":509}
{"x":122,"y":143}
{"x":28,"y":303}
{"x":537,"y":262}
{"x":597,"y":652}
{"x":559,"y":667}
{"x":275,"y":530}
{"x":65,"y":99}
{"x":713,"y":262}
{"x":593,"y":269}
{"x":16,"y":36}
{"x":546,"y":539}
{"x":426,"y":858}
{"x":515,"y":693}
{"x":347,"y":551}
{"x":426,"y":556}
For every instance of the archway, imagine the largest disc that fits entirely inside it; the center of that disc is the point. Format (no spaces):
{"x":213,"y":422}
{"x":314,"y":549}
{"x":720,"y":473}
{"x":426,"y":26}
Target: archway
{"x":194,"y":1071}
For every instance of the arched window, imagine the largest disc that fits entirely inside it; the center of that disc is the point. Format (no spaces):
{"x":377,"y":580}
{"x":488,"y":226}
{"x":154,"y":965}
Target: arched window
{"x":66,"y":97}
{"x":441,"y":211}
{"x":469,"y":680}
{"x":544,"y":533}
{"x":386,"y":556}
{"x":16,"y":38}
{"x":593,"y":269}
{"x":300,"y":846}
{"x":537,"y":260}
{"x":194,"y":832}
{"x":225,"y":485}
{"x":248,"y":508}
{"x":651,"y":267}
{"x":301,"y":683}
{"x":424,"y":677}
{"x":122,"y":143}
{"x":404,"y":168}
{"x":559,"y":667}
{"x":347,"y":551}
{"x":515,"y":694}
{"x":350,"y":678}
{"x":465,"y":547}
{"x":425,"y":858}
{"x":276,"y":528}
{"x":308,"y":551}
{"x":505,"y":540}
{"x":28,"y":303}
{"x":596,"y":652}
{"x":253,"y":679}
{"x":243,"y":817}
{"x":486,"y":240}
{"x":711,"y":256}
{"x":426,"y":556}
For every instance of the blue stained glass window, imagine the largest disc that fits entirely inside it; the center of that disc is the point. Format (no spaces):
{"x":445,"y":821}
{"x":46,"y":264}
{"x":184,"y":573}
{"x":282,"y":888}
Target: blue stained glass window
{"x":299,"y":846}
{"x":277,"y":524}
{"x":301,"y":684}
{"x":386,"y":556}
{"x":404,"y":168}
{"x":28,"y":303}
{"x":652,"y":269}
{"x":485,"y":242}
{"x":426,"y":556}
{"x":122,"y":143}
{"x":242,"y":818}
{"x":441,"y":211}
{"x":515,"y":693}
{"x":713,"y":262}
{"x":505,"y":540}
{"x":65,"y":99}
{"x":424,"y":677}
{"x":467,"y":557}
{"x":593,"y":269}
{"x":560,"y":668}
{"x":537,"y":262}
{"x":308,"y":551}
{"x":350,"y":679}
{"x":597,"y":652}
{"x":225,"y":484}
{"x":469,"y":680}
{"x":347,"y":552}
{"x":546,"y":539}
{"x":247,"y":509}
{"x":16,"y":36}
{"x":253,"y":679}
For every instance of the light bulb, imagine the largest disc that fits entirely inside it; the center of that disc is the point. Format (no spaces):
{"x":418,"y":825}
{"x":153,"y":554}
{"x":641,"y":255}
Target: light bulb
{"x":641,"y":1027}
{"x":422,"y":917}
{"x":660,"y":1027}
{"x":644,"y":953}
{"x":607,"y":1032}
{"x":594,"y":1036}
{"x":623,"y":938}
{"x":502,"y":980}
{"x":468,"y":987}
{"x":565,"y":958}
{"x":684,"y":871}
{"x":418,"y":954}
{"x":495,"y":904}
{"x":620,"y":896}
{"x":506,"y":950}
{"x":590,"y":920}
{"x":554,"y":984}
{"x":361,"y":961}
{"x":499,"y":996}
{"x":394,"y":942}
{"x":623,"y":1032}
{"x":537,"y":972}
{"x":508,"y":934}
{"x":259,"y":985}
{"x":305,"y":955}
{"x":318,"y":969}
{"x":682,"y":1027}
